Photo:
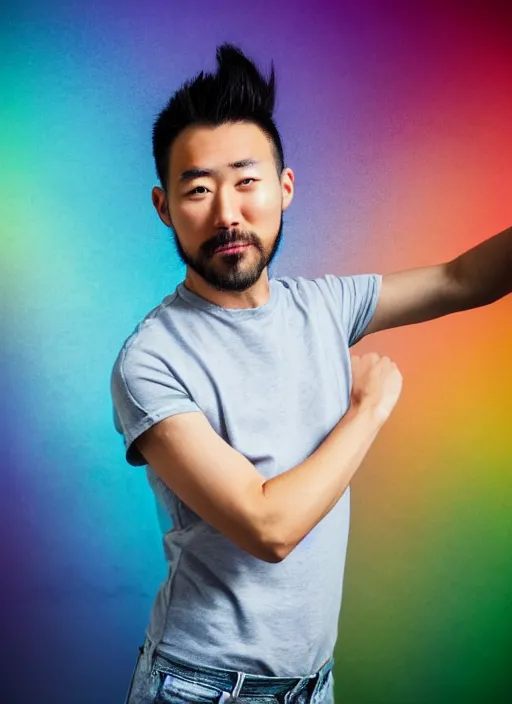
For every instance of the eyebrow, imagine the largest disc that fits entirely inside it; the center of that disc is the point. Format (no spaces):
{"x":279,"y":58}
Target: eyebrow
{"x":191,"y":174}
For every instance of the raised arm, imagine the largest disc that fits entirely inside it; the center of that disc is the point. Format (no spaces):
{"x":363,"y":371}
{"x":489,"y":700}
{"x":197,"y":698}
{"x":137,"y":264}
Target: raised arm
{"x":475,"y":278}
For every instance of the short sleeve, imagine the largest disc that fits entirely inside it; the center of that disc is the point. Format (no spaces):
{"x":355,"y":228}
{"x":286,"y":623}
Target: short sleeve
{"x":357,"y":298}
{"x":144,"y":391}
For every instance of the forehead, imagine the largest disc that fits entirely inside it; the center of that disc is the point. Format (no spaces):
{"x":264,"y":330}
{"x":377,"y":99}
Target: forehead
{"x":215,"y":147}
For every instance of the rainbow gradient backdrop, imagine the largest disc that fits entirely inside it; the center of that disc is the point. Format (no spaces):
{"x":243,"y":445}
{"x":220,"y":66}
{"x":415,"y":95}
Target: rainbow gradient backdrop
{"x":397,"y":120}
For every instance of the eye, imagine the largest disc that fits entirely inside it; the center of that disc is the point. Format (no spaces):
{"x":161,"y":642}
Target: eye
{"x":194,"y":192}
{"x":245,"y":181}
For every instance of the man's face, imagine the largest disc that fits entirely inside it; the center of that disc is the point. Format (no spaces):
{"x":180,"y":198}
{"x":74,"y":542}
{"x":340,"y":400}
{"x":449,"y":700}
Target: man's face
{"x":241,"y":204}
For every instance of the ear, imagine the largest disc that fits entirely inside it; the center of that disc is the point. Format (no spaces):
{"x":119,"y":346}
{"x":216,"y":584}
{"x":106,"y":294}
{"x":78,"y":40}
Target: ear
{"x":159,"y":198}
{"x":287,"y":187}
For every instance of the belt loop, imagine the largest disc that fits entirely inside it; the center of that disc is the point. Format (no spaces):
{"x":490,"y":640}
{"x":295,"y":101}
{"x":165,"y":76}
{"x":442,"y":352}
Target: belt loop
{"x":227,"y":697}
{"x":240,"y":677}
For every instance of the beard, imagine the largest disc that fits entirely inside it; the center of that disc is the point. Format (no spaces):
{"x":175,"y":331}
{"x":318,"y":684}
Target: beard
{"x":228,"y":272}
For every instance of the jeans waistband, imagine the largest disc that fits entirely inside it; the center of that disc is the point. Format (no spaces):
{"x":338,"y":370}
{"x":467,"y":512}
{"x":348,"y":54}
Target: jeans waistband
{"x":238,"y":682}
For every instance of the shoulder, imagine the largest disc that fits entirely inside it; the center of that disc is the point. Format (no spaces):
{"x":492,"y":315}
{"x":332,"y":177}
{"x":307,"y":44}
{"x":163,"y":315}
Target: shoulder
{"x":322,"y":288}
{"x":148,"y":335}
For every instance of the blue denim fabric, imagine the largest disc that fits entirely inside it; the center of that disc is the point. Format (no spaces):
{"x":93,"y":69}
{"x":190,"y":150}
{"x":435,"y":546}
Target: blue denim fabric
{"x":158,"y":680}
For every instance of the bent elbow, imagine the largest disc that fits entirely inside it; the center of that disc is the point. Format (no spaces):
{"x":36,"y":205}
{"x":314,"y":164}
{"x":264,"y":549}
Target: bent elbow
{"x":275,"y":552}
{"x":268,"y":553}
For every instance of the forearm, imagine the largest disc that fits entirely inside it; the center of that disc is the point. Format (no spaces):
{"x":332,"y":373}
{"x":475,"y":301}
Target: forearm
{"x":298,"y":499}
{"x":485,"y":271}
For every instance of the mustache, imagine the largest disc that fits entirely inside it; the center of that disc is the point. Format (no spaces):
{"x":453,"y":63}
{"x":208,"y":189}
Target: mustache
{"x":230,"y":237}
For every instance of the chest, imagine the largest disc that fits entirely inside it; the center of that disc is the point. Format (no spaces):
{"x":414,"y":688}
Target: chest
{"x":273,"y":392}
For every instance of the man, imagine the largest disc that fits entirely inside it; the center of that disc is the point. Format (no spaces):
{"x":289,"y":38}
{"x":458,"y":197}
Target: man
{"x":240,"y":395}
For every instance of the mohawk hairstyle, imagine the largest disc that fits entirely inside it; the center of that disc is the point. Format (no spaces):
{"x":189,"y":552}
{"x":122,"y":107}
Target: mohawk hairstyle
{"x":236,"y":93}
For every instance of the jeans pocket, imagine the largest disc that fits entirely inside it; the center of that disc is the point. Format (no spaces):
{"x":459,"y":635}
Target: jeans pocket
{"x":176,"y":689}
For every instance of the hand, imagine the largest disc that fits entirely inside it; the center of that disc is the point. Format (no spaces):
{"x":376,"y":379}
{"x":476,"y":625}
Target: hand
{"x":376,"y":382}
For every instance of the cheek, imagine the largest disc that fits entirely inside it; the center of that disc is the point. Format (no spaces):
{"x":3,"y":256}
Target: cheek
{"x":264,"y":206}
{"x":191,"y":215}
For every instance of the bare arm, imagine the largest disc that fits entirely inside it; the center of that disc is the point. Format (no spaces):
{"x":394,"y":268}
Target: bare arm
{"x":265,"y":518}
{"x":298,"y":499}
{"x":475,"y":278}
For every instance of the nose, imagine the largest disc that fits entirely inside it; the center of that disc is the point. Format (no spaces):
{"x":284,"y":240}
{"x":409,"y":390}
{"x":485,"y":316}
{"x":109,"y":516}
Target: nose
{"x":226,"y":213}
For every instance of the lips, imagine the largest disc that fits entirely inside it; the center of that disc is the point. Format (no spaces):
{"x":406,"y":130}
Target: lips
{"x":232,"y":248}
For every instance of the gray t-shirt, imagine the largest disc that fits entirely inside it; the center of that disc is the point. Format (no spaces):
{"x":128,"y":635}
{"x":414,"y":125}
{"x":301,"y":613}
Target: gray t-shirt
{"x":273,"y":382}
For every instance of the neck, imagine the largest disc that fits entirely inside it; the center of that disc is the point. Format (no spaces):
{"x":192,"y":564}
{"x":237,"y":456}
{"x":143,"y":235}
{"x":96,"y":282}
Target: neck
{"x":257,"y":295}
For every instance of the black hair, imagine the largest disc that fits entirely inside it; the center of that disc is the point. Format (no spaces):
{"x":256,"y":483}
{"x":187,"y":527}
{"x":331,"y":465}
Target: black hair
{"x":236,"y":93}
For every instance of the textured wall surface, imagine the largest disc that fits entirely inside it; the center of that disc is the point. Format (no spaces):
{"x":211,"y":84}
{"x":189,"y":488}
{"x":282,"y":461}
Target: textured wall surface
{"x":396,"y":120}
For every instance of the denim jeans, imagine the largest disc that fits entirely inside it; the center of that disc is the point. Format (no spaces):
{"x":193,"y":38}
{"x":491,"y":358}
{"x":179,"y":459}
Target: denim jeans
{"x":159,"y":680}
